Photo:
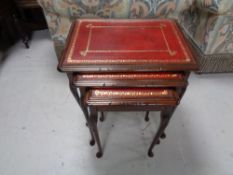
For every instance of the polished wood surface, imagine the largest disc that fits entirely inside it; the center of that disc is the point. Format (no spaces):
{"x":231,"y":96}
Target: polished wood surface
{"x":156,"y":79}
{"x":126,"y":45}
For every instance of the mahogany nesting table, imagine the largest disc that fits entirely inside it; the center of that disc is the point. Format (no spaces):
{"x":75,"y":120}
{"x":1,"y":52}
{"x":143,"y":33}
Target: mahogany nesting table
{"x":140,"y":65}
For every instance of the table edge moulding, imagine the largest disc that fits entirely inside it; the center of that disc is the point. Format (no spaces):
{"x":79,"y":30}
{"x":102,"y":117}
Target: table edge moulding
{"x":78,"y":56}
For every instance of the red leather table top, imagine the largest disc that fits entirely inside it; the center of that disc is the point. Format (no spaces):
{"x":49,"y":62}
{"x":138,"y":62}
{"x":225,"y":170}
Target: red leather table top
{"x":126,"y":45}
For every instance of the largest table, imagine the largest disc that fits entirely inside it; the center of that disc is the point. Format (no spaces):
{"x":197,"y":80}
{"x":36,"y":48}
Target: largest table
{"x":126,"y":46}
{"x":110,"y":53}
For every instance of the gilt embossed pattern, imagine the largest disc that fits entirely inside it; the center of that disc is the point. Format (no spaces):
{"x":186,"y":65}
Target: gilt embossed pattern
{"x":134,"y":96}
{"x":101,"y":38}
{"x":129,"y":93}
{"x":99,"y":43}
{"x":132,"y":76}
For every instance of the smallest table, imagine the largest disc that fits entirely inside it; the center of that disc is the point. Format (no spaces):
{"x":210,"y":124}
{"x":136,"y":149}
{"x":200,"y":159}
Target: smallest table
{"x":124,"y":56}
{"x":131,"y":99}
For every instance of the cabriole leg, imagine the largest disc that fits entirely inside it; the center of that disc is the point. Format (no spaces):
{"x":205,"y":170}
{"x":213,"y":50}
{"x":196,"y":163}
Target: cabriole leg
{"x":102,"y":118}
{"x":165,"y":117}
{"x":93,"y":123}
{"x":147,"y":116}
{"x":75,"y":94}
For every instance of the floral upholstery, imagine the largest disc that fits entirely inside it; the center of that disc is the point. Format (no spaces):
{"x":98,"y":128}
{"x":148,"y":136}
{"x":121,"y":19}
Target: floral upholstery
{"x":60,"y":13}
{"x":114,"y":8}
{"x":211,"y":33}
{"x":221,"y":7}
{"x":208,"y":23}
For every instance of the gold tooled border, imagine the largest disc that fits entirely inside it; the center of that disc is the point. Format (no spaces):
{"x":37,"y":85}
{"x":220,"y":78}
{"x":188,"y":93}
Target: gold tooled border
{"x":130,"y":76}
{"x":131,"y":93}
{"x":160,"y":26}
{"x":126,"y":61}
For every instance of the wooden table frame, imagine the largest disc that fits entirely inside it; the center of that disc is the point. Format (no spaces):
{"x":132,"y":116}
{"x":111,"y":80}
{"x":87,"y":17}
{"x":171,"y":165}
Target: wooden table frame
{"x":79,"y":90}
{"x":166,"y":113}
{"x":173,"y":55}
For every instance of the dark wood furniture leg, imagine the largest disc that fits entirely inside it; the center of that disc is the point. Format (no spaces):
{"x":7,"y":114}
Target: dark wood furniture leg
{"x":163,"y":135}
{"x":147,"y":116}
{"x":102,"y":118}
{"x":165,"y":117}
{"x":93,"y":125}
{"x":21,"y":31}
{"x":79,"y":101}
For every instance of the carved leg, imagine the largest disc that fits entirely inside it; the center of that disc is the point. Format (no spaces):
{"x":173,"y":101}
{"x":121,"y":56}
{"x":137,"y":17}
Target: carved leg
{"x":93,"y":123}
{"x":102,"y":116}
{"x":181,"y":91}
{"x":25,"y":41}
{"x":165,"y":117}
{"x":82,"y":105}
{"x":21,"y":30}
{"x":75,"y":94}
{"x":147,"y":116}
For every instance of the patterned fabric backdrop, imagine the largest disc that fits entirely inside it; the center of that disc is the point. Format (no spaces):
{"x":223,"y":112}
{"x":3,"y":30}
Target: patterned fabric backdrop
{"x":114,"y":8}
{"x":210,"y":32}
{"x":223,"y":7}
